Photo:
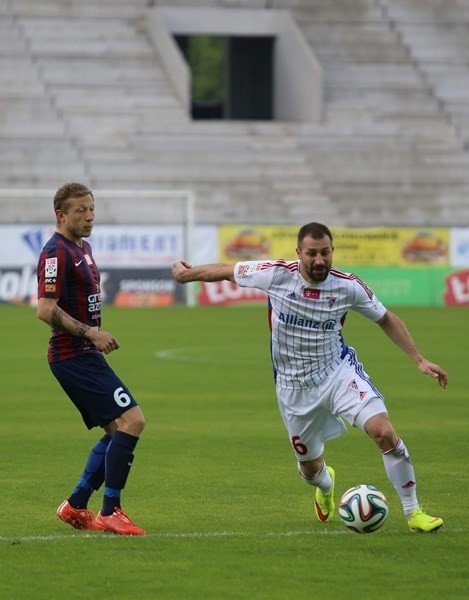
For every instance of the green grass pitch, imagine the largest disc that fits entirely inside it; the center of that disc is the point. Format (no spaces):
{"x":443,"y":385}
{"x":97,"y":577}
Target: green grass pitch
{"x":214,"y":481}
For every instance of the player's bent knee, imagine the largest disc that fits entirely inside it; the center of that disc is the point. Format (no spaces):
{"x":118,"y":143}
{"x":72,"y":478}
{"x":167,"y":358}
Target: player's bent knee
{"x":132,"y":421}
{"x":383,"y":435}
{"x":139,"y":425}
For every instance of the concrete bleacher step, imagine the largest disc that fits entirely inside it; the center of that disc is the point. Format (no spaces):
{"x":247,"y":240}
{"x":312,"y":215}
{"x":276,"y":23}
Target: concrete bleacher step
{"x":437,"y":44}
{"x":11,"y":44}
{"x":111,"y":98}
{"x":210,"y":157}
{"x":189,"y":143}
{"x":361,"y":53}
{"x":380,"y":102}
{"x":17,"y":68}
{"x":374,"y":76}
{"x":60,"y":170}
{"x":330,"y":34}
{"x":360,"y":43}
{"x":450,"y":82}
{"x":36,"y":149}
{"x":445,"y":12}
{"x":364,"y":168}
{"x":180,"y":172}
{"x":103,"y":9}
{"x":65,"y":47}
{"x":31,"y":123}
{"x":82,"y":72}
{"x":415,"y":124}
{"x":338,"y":12}
{"x":59,"y":27}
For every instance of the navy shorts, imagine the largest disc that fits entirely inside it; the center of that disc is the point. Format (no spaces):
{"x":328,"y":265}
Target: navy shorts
{"x":94,"y":388}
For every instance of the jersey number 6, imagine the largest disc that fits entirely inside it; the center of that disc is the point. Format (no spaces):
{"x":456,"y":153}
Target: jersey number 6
{"x":121,"y":398}
{"x":298,"y":446}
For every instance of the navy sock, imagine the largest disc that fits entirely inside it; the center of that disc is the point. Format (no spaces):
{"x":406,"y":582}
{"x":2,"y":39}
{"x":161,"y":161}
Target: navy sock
{"x":93,"y":476}
{"x":119,"y":458}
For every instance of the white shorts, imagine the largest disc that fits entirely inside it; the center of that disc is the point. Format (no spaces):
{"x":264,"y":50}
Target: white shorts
{"x":313,"y":416}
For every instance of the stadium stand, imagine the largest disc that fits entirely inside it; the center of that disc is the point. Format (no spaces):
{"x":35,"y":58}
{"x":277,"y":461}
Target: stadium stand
{"x":86,"y":97}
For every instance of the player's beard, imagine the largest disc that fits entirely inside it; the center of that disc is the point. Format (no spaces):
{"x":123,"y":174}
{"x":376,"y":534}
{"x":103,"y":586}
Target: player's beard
{"x":318,"y":275}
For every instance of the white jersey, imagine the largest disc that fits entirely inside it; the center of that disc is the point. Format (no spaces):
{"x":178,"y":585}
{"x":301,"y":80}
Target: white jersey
{"x":307,"y":318}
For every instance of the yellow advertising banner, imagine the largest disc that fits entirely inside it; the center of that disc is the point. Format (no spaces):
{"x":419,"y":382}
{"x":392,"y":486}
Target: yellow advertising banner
{"x":238,"y":242}
{"x":370,"y":246}
{"x":391,"y":246}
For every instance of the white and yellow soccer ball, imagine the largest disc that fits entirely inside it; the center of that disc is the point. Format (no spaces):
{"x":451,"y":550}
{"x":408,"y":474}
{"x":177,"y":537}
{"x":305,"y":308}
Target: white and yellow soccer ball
{"x":363,"y":508}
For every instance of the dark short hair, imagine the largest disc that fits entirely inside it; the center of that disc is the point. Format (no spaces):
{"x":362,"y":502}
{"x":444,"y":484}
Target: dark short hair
{"x":315,"y":230}
{"x":67,"y":191}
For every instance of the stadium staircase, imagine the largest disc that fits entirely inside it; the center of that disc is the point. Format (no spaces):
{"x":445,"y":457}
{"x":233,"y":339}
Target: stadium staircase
{"x":85,"y":97}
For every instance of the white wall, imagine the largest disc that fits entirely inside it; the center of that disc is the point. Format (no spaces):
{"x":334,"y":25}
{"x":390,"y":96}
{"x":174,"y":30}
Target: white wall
{"x":298,"y":86}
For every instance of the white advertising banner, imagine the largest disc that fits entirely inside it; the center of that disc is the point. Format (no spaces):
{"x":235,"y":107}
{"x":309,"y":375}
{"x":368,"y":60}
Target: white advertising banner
{"x":459,"y":247}
{"x":20,"y":245}
{"x":119,"y":251}
{"x":136,"y":246}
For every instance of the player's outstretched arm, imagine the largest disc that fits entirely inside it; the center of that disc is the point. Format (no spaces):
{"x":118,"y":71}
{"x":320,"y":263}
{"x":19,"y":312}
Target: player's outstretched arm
{"x":396,"y":330}
{"x":184,"y":272}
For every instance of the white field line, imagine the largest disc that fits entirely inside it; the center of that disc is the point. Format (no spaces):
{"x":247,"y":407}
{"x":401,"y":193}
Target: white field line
{"x":168,"y":535}
{"x":200,"y":535}
{"x":199,"y":355}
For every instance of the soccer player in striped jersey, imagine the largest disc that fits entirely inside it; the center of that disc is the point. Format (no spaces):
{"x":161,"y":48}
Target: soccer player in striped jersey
{"x":319,"y":379}
{"x":69,"y":301}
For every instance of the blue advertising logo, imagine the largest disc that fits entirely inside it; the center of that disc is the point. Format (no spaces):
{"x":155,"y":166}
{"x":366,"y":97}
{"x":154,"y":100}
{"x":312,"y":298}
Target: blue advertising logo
{"x":34,"y":240}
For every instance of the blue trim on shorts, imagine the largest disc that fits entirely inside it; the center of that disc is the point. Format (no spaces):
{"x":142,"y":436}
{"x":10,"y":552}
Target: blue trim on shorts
{"x":360,"y":370}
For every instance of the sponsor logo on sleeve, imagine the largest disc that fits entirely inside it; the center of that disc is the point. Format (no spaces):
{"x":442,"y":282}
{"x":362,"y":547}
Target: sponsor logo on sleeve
{"x":244,"y":270}
{"x":51,"y":267}
{"x":50,"y":287}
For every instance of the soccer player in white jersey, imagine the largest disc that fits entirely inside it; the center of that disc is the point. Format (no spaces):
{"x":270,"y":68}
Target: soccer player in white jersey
{"x":319,"y":380}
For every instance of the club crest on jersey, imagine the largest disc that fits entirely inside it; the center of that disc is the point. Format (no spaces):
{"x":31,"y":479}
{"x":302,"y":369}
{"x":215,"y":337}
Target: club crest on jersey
{"x":311,"y":293}
{"x":51,"y":267}
{"x":88,"y":259}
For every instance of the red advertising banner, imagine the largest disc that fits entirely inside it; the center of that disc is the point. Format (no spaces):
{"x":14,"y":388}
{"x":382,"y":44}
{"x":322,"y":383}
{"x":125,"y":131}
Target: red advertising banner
{"x":457,"y":288}
{"x":222,"y":293}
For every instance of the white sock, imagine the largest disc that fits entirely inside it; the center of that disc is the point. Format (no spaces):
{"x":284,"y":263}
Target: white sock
{"x":401,"y":474}
{"x":322,"y":480}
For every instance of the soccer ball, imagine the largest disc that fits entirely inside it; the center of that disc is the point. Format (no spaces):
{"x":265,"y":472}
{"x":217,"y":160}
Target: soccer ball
{"x":363,"y":508}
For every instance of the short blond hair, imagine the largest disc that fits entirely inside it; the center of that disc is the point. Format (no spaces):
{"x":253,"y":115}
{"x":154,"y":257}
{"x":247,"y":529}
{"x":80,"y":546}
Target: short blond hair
{"x":67,"y":191}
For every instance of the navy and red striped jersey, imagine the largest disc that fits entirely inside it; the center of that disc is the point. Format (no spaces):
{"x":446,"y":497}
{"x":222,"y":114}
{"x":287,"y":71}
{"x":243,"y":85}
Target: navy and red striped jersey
{"x":68,"y":272}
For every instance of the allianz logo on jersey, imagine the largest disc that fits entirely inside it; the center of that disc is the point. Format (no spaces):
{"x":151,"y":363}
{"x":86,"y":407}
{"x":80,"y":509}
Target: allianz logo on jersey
{"x":296,"y":321}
